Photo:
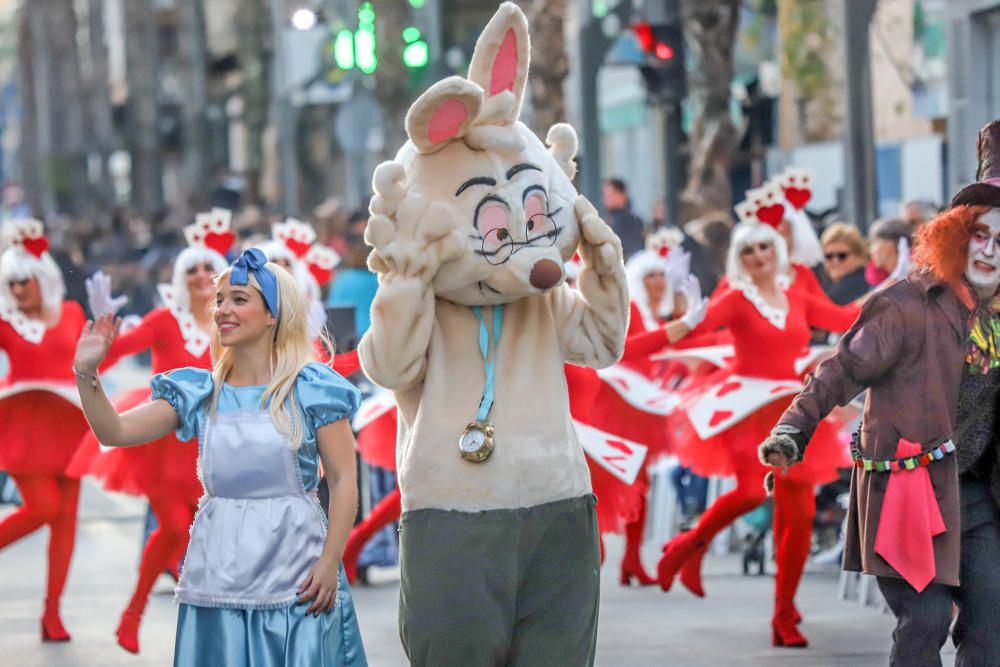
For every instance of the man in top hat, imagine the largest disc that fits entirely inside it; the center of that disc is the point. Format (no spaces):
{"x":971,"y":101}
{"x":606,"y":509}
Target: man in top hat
{"x":926,"y":486}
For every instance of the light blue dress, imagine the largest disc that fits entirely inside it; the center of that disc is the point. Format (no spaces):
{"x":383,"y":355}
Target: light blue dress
{"x":259,"y":528}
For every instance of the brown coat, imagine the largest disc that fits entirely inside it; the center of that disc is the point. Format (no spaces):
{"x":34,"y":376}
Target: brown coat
{"x":907,"y":348}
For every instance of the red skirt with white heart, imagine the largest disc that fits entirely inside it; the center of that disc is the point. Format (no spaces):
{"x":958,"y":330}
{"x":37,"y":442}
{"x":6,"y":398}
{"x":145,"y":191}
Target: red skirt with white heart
{"x":618,"y":503}
{"x":721,"y":423}
{"x":376,"y":441}
{"x":162,"y":468}
{"x":40,"y":432}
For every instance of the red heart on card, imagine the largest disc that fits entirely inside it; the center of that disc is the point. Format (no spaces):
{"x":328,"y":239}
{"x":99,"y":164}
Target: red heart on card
{"x":298,"y":247}
{"x":798,"y":197}
{"x":220,"y":243}
{"x":321,"y":275}
{"x":771,"y":215}
{"x":36,"y":247}
{"x":720,"y":416}
{"x":730,"y":386}
{"x":780,"y":388}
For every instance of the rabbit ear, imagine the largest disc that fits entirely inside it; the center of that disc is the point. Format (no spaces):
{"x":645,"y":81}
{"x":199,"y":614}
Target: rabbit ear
{"x":443,"y":113}
{"x":500,"y":61}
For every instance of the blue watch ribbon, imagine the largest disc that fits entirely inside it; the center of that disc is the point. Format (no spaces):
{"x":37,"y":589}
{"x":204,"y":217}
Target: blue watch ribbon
{"x":254,"y":261}
{"x":489,"y":362}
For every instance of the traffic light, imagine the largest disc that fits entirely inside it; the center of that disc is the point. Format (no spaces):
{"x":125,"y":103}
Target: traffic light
{"x":663,"y":70}
{"x":416,"y":53}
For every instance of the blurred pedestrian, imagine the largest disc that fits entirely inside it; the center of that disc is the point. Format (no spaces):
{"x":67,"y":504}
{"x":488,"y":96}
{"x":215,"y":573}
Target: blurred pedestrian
{"x":622,"y":220}
{"x":915,"y":212}
{"x":883,"y":246}
{"x":41,"y":429}
{"x":354,"y":285}
{"x":844,"y":257}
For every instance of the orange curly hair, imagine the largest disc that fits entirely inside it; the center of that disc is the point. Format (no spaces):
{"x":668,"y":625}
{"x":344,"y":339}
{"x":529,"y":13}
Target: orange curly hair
{"x":942,"y":245}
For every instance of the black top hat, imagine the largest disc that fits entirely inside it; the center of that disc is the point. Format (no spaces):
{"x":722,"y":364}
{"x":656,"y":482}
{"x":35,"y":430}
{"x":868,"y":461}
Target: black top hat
{"x":986,"y":191}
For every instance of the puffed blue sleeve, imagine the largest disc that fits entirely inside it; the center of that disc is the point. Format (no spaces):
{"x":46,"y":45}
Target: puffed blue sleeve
{"x":325,"y":396}
{"x":186,"y":390}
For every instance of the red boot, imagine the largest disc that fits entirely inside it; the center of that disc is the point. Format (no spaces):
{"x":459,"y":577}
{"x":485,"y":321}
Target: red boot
{"x":631,"y":567}
{"x":783,"y":630}
{"x":128,"y":631}
{"x":51,"y":625}
{"x":385,"y":512}
{"x":691,"y":572}
{"x":676,"y":553}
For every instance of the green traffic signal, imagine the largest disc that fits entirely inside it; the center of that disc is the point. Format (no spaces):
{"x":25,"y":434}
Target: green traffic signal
{"x":416,"y":53}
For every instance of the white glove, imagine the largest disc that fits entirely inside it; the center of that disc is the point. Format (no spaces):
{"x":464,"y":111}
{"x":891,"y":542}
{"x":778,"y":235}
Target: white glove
{"x":317,"y":319}
{"x":99,"y":296}
{"x":697,"y":305}
{"x":903,"y":263}
{"x":678,"y":267}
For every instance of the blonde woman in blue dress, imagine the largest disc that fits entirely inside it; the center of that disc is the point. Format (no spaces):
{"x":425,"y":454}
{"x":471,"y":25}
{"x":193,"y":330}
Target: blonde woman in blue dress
{"x":262,"y":581}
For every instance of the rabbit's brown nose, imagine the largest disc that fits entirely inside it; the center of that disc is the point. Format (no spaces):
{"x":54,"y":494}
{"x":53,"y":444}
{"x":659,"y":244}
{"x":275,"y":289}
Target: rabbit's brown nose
{"x":545,"y":274}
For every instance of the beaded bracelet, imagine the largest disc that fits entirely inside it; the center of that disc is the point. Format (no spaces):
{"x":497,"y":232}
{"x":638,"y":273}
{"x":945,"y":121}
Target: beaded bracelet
{"x":907,"y":463}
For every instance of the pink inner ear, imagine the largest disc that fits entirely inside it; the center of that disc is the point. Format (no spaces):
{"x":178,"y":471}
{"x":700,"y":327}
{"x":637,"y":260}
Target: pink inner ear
{"x":446,"y":121}
{"x":505,"y":65}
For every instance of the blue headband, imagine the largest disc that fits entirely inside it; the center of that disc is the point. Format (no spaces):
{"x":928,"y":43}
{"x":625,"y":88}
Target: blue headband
{"x":252,"y":261}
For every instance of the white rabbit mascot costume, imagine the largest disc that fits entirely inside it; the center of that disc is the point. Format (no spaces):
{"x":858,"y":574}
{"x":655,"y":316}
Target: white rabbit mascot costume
{"x":471,"y":326}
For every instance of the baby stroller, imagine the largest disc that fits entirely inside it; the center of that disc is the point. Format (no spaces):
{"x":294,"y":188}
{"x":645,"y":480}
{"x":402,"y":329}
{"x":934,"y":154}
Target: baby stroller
{"x":754,"y":546}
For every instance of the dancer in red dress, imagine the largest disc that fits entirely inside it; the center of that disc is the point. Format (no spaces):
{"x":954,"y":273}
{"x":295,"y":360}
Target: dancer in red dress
{"x":41,"y":422}
{"x":165,"y":472}
{"x":724,"y":416}
{"x":624,"y":403}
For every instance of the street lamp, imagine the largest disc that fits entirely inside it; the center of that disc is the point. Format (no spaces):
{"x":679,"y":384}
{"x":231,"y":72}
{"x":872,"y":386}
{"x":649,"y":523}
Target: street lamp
{"x":303,"y":19}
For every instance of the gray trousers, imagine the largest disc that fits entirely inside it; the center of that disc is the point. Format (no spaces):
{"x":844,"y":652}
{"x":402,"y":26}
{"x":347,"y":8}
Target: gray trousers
{"x":923,"y":619}
{"x":500,"y":588}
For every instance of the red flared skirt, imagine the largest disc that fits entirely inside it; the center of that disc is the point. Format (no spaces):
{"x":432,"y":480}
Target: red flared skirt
{"x":377,"y":441}
{"x":162,"y":468}
{"x":735,"y":448}
{"x":613,"y":414}
{"x":40,"y":433}
{"x":618,"y":503}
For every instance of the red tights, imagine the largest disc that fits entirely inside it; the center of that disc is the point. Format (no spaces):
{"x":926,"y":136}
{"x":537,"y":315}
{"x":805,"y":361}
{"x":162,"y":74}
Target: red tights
{"x":794,"y":509}
{"x":165,"y":547}
{"x":48,"y":500}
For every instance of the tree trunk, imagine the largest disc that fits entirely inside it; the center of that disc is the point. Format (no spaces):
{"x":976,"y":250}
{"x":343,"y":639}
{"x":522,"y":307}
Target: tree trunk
{"x":141,"y":56}
{"x":710,"y":32}
{"x":35,"y":183}
{"x":392,"y":82}
{"x":192,"y":63}
{"x":255,"y":51}
{"x":68,"y":111}
{"x":549,"y":64}
{"x":102,"y":139}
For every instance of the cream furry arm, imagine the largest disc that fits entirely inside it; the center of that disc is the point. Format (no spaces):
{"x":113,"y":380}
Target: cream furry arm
{"x":592,"y":322}
{"x":393,"y":352}
{"x":411,"y":238}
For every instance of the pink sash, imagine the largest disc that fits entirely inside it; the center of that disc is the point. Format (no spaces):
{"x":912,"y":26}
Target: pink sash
{"x":909,"y":521}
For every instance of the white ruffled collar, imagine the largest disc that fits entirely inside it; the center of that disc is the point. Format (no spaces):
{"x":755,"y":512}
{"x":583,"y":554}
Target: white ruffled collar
{"x":776,"y":316}
{"x":30,"y":330}
{"x":196,"y":341}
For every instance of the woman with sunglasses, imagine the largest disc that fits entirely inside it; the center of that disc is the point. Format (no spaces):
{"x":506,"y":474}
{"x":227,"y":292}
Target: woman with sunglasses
{"x":844,"y":259}
{"x":721,"y":416}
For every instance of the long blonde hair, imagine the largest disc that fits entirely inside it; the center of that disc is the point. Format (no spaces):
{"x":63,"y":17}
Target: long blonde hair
{"x":291,"y":350}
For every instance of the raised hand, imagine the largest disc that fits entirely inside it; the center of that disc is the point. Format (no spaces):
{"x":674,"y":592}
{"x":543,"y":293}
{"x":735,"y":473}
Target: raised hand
{"x":417,"y":240}
{"x":99,"y":295}
{"x":94,"y":342}
{"x":600,"y":247}
{"x":902,"y":263}
{"x":697,"y":305}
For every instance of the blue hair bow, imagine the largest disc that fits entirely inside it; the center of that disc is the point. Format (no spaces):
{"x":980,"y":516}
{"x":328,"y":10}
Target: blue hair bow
{"x":253,"y":261}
